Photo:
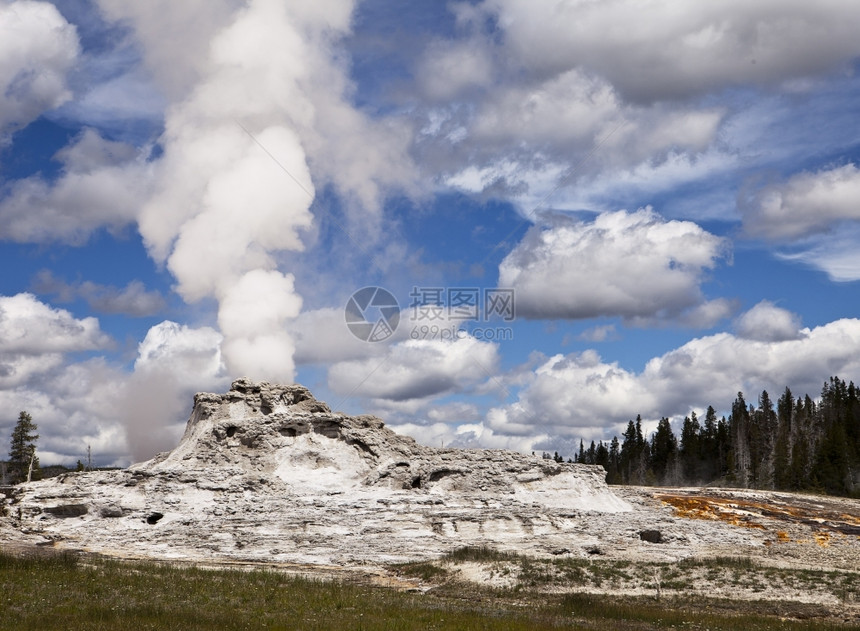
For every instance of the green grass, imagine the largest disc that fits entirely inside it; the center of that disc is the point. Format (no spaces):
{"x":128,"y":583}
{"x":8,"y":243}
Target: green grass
{"x":478,"y":554}
{"x":64,"y":591}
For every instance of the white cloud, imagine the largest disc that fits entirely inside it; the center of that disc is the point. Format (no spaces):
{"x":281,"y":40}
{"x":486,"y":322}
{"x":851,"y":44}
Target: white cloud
{"x":594,"y":105}
{"x":467,"y":436}
{"x":417,"y":369}
{"x":814,"y":215}
{"x":175,"y":36}
{"x":38,"y":48}
{"x":664,"y":49}
{"x":600,"y":333}
{"x":74,"y":406}
{"x":458,"y":412}
{"x":577,"y":394}
{"x":582,"y":395}
{"x":189,"y":354}
{"x":836,"y":254}
{"x":805,"y":204}
{"x":123,"y":104}
{"x":533,"y":140}
{"x":30,"y":327}
{"x":709,"y":313}
{"x":101,"y":185}
{"x":99,"y":404}
{"x":621,"y":264}
{"x":766,"y":322}
{"x":448,"y":69}
{"x":713,"y":369}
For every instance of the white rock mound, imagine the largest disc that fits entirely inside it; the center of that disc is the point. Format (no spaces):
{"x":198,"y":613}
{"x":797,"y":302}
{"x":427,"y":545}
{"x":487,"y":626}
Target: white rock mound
{"x":266,"y":472}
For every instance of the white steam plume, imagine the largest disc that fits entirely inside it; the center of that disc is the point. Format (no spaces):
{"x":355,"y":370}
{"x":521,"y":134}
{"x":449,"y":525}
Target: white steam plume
{"x":233,"y":187}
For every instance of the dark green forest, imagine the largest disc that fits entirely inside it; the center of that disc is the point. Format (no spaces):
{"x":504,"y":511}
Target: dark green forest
{"x":792,"y":444}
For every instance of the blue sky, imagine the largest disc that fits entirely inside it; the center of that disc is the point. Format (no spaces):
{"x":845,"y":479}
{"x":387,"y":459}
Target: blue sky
{"x":191,"y":192}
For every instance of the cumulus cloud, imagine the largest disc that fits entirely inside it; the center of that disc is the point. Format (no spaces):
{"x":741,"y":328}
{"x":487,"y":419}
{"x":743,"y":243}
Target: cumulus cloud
{"x":805,"y":204}
{"x":635,"y":265}
{"x":667,"y":49}
{"x":596,"y":104}
{"x":95,"y":403}
{"x":525,"y":138}
{"x":417,"y":369}
{"x":100,"y":185}
{"x":175,"y":36}
{"x":73,"y":404}
{"x":30,"y":327}
{"x":38,"y":48}
{"x":132,"y":300}
{"x":576,"y":394}
{"x":814,"y":216}
{"x":766,"y":322}
{"x":582,"y":395}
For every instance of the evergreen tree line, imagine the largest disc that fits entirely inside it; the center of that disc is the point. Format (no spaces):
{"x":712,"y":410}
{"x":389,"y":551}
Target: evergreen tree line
{"x":794,"y":445}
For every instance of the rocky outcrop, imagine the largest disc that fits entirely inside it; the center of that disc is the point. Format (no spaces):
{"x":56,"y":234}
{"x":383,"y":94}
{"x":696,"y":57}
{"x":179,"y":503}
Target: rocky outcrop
{"x":281,"y":435}
{"x":267,"y":473}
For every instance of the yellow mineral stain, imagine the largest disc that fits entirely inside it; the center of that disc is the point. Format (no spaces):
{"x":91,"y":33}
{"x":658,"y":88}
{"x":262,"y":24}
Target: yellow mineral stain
{"x":822,"y":538}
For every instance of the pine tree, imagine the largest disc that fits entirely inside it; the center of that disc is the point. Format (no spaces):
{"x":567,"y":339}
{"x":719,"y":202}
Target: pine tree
{"x":739,"y":422}
{"x":782,"y":448}
{"x":663,"y":447}
{"x":690,"y":448}
{"x":22,"y":453}
{"x":627,"y":453}
{"x":613,"y":472}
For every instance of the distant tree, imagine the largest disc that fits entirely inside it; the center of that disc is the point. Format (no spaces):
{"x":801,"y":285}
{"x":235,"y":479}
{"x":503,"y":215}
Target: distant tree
{"x":690,"y":447}
{"x":663,"y":447}
{"x":708,"y":446}
{"x":613,"y":470}
{"x":22,"y":454}
{"x":601,"y":455}
{"x":782,"y":447}
{"x":739,"y":422}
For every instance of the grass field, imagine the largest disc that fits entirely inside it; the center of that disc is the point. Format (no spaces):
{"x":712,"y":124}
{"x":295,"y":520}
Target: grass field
{"x":64,"y":591}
